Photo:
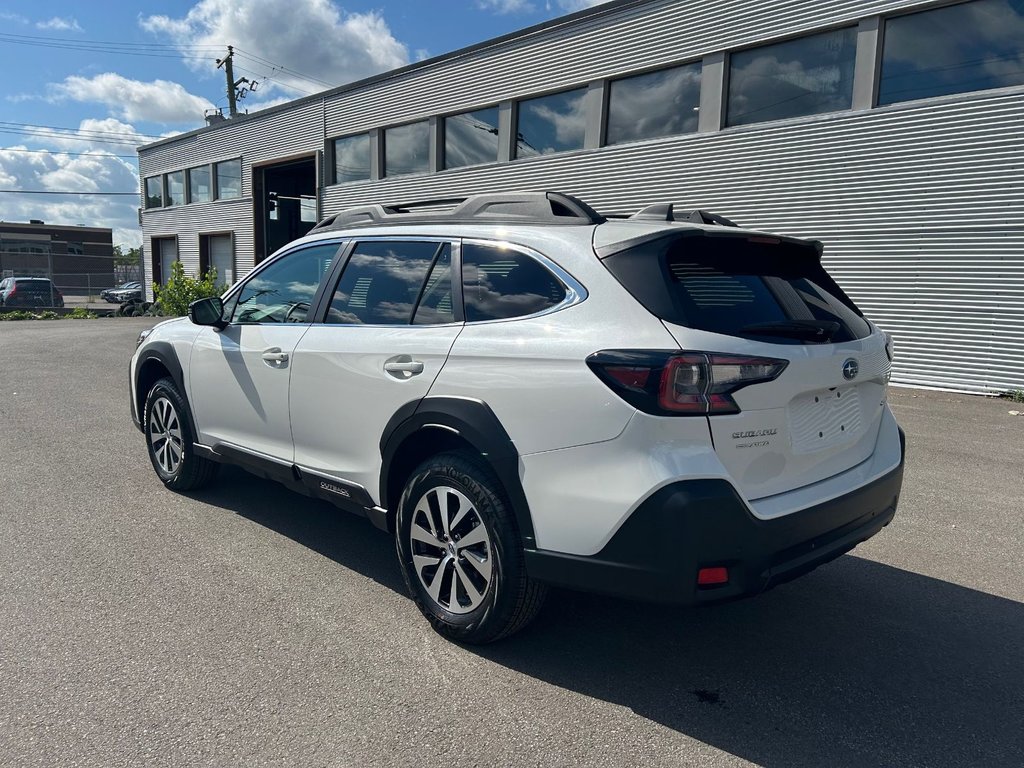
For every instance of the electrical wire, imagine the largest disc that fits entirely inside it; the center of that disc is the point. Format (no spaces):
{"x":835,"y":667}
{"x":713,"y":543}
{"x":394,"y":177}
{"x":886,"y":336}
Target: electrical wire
{"x":51,"y":192}
{"x":63,"y":152}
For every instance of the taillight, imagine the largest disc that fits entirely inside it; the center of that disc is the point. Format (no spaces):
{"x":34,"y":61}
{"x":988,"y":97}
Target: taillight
{"x":682,"y":383}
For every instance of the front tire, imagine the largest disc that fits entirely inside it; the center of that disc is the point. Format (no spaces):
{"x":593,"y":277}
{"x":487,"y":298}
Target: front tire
{"x":461,"y":553}
{"x":170,"y":440}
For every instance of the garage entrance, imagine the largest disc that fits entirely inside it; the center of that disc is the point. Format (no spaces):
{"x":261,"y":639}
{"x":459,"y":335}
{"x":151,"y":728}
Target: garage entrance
{"x":284,"y":198}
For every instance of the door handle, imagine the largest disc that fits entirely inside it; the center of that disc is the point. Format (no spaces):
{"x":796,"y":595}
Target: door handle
{"x":404,"y":368}
{"x":275,"y":355}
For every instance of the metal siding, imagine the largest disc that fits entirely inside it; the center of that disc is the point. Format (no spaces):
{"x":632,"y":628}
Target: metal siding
{"x":920,"y":204}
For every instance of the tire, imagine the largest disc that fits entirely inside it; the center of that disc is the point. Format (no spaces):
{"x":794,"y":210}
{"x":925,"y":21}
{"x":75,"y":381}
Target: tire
{"x":479,"y":591}
{"x":169,"y":439}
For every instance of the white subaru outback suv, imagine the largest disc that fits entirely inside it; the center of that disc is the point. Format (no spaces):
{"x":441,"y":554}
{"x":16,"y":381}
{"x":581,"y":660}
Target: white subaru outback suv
{"x":525,"y":393}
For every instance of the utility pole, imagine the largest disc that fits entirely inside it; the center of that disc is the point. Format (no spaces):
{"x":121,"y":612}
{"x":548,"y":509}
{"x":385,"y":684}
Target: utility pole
{"x":234,"y":92}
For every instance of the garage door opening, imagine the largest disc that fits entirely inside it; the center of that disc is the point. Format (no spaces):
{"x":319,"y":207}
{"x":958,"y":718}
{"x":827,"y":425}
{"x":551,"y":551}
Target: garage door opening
{"x":286,"y":203}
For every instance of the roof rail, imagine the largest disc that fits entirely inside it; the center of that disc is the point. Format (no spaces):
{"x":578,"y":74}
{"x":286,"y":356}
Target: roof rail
{"x":665,"y":212}
{"x":490,"y":208}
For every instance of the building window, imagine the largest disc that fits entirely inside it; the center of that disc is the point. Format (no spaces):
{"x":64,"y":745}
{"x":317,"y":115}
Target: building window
{"x":956,"y":48}
{"x":407,"y":149}
{"x":555,"y":123}
{"x":199,"y":190}
{"x":352,"y":158}
{"x":154,"y":192}
{"x":800,"y":77}
{"x":175,"y":188}
{"x":229,"y":179}
{"x":655,"y":104}
{"x":471,"y":138}
{"x":218,"y":252}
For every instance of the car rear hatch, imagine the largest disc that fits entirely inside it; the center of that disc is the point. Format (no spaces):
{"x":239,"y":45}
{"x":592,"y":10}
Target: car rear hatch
{"x":788,"y":373}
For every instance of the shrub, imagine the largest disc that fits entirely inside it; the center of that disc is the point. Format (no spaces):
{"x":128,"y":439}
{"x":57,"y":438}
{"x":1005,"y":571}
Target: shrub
{"x":47,"y":314}
{"x":80,"y":313}
{"x":17,"y":315}
{"x":180,"y":290}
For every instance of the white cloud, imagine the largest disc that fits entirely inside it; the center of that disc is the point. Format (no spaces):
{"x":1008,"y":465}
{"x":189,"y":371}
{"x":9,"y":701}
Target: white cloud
{"x":59,"y":171}
{"x":159,"y":101}
{"x":60,"y":24}
{"x":5,"y":16}
{"x":507,"y":6}
{"x":308,"y":37}
{"x":579,"y":5}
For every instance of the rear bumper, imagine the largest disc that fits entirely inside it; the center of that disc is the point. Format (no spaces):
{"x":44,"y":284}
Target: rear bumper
{"x":693,"y":524}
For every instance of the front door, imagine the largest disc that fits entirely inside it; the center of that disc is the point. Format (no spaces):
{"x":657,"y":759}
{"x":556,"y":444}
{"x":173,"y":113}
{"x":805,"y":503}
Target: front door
{"x":239,"y":376}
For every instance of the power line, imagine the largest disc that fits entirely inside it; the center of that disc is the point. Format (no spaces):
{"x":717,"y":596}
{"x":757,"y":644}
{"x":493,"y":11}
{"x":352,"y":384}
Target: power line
{"x":63,"y":152}
{"x":82,"y":131}
{"x":50,"y":192}
{"x":282,"y":68}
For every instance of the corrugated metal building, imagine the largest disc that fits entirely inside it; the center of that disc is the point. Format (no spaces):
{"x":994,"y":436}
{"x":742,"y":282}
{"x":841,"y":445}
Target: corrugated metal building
{"x":889,"y":129}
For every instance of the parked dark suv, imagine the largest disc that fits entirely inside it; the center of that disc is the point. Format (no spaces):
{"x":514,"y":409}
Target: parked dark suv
{"x":29,"y":292}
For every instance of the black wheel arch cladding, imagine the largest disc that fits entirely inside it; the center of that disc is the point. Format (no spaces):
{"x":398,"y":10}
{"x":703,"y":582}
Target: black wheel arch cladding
{"x":475,"y":423}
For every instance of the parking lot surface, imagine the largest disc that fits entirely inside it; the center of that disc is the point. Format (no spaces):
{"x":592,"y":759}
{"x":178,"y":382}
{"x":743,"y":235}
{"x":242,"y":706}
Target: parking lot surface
{"x":248,"y":626}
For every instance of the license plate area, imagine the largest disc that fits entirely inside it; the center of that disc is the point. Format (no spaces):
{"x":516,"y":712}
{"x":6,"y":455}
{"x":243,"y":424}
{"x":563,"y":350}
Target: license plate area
{"x":824,"y":419}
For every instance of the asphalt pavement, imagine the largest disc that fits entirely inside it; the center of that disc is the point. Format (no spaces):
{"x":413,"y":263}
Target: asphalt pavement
{"x":248,"y":626}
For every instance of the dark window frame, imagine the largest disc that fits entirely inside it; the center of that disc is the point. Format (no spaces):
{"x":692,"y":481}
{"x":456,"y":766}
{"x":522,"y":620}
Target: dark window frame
{"x":517,"y":116}
{"x":384,"y":174}
{"x":215,"y":179}
{"x":188,"y":182}
{"x":167,"y":187}
{"x":145,"y":191}
{"x":609,"y":82}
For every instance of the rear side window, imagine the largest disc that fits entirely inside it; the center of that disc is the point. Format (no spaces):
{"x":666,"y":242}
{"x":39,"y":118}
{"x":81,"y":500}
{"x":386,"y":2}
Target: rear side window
{"x":751,"y":287}
{"x":499,"y":283}
{"x":384,"y":281}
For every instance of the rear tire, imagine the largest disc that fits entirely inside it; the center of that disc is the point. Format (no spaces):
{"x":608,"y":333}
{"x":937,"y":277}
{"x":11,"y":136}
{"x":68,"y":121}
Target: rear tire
{"x":170,"y":440}
{"x":461,"y":552}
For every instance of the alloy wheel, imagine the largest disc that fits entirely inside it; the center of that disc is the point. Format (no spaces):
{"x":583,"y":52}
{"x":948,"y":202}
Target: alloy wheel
{"x":165,"y":435}
{"x":451,"y":550}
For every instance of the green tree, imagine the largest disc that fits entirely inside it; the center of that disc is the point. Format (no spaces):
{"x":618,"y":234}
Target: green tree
{"x":180,"y":290}
{"x":127,"y":256}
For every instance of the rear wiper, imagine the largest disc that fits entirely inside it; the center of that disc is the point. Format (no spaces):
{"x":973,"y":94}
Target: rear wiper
{"x":820,"y":331}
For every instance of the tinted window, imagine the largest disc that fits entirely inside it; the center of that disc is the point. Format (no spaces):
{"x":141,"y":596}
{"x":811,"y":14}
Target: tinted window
{"x":762,"y":289}
{"x":555,"y":123}
{"x":382,"y":281}
{"x":500,"y":283}
{"x":799,"y":77}
{"x":352,"y":158}
{"x":656,"y":104}
{"x":958,"y":48}
{"x":176,"y":188}
{"x":407,"y":149}
{"x":229,"y":179}
{"x":199,"y":190}
{"x":471,"y":138}
{"x":154,"y":193}
{"x":283,"y":292}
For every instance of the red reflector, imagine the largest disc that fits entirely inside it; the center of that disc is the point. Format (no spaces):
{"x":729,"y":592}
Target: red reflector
{"x":631,"y":378}
{"x":707,"y":577}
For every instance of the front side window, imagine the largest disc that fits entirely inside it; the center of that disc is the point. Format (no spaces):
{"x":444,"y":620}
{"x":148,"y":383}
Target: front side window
{"x":800,"y":77}
{"x":154,"y":192}
{"x":199,"y":189}
{"x":555,"y":123}
{"x":284,"y":291}
{"x":175,"y":188}
{"x":662,"y":103}
{"x":471,"y":138}
{"x":385,"y":280}
{"x":407,"y":149}
{"x":229,"y":179}
{"x":500,"y":283}
{"x":956,"y":48}
{"x":352,"y":158}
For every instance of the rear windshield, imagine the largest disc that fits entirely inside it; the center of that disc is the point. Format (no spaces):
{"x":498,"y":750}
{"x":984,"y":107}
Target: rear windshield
{"x":752,"y":287}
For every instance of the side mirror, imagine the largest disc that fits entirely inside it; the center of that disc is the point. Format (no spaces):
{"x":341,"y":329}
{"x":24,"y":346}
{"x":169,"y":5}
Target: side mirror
{"x":208,"y":312}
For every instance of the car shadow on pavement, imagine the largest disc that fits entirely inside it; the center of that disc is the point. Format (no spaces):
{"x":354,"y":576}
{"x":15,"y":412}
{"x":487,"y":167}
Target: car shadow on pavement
{"x":856,"y":664}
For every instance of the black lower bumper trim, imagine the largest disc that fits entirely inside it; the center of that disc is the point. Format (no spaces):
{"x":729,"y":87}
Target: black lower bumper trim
{"x":693,"y":524}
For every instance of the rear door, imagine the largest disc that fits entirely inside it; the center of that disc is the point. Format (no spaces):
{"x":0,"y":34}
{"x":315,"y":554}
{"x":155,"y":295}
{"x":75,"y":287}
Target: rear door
{"x":390,"y":323}
{"x":749,"y":295}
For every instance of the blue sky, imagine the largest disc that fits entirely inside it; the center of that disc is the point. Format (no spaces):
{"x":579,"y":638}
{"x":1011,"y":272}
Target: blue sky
{"x":85,"y":83}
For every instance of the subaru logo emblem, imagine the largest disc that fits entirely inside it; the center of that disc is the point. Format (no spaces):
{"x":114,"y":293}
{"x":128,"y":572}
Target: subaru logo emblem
{"x":850,"y":369}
